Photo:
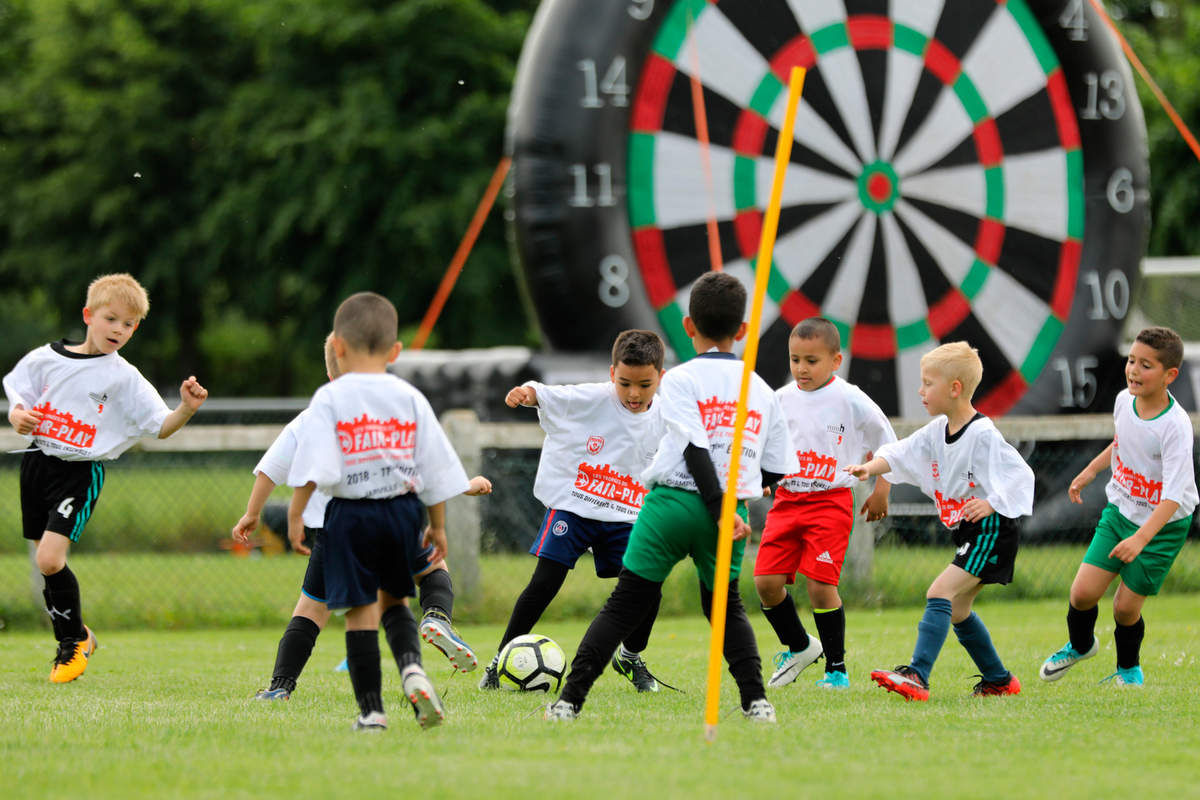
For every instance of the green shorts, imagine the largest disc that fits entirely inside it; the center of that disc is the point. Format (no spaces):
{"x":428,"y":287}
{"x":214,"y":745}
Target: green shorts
{"x":672,"y":525}
{"x":1146,"y":573}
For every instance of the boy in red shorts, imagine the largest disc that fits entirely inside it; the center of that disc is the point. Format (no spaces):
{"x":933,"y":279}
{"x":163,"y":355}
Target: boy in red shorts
{"x":831,"y":423}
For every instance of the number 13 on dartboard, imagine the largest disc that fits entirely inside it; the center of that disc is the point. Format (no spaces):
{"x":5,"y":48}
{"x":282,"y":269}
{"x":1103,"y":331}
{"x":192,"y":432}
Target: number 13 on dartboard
{"x":962,"y":169}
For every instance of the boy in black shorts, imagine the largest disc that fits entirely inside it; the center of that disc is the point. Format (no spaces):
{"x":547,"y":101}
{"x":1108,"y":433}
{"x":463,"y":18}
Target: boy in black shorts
{"x":980,"y":486}
{"x":81,"y":404}
{"x":372,"y":443}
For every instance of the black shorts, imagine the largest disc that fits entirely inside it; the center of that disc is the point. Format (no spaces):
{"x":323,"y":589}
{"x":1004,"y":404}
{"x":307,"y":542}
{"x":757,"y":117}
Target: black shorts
{"x":57,"y":495}
{"x":987,"y":549}
{"x":314,"y":576}
{"x":371,"y":545}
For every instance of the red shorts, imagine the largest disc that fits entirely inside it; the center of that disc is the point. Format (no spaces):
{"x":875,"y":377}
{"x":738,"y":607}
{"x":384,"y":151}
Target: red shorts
{"x":807,"y":533}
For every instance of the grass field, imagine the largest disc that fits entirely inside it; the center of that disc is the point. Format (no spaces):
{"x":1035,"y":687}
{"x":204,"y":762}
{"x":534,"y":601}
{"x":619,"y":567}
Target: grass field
{"x":168,"y":714}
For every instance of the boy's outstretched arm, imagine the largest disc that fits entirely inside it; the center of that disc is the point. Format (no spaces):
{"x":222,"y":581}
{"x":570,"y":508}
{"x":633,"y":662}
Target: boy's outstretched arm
{"x":1089,"y":473}
{"x":435,"y":534}
{"x":521,"y":396}
{"x":876,"y":466}
{"x":876,"y":504}
{"x":191,"y":396}
{"x":479,"y":485}
{"x":300,"y":498}
{"x":263,"y":486}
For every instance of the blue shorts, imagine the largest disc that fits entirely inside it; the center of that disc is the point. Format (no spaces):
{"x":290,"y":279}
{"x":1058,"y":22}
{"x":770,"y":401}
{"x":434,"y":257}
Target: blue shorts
{"x":564,"y":537}
{"x":314,"y":576}
{"x":371,"y":545}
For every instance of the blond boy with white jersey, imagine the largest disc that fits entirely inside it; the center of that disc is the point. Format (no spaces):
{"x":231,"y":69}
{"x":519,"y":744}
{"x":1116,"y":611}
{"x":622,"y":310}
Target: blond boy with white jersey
{"x":80,"y":405}
{"x":1151,"y":497}
{"x":372,"y":443}
{"x":599,"y":439}
{"x":980,"y":486}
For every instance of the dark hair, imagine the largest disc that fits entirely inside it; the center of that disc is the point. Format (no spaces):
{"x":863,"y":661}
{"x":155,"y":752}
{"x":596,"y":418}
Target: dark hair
{"x":819,"y":328}
{"x":367,"y":322}
{"x":717,"y":305}
{"x":638,"y":349}
{"x":1166,"y":344}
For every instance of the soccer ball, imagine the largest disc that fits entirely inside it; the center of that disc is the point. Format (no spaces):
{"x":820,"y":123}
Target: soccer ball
{"x":531,"y":663}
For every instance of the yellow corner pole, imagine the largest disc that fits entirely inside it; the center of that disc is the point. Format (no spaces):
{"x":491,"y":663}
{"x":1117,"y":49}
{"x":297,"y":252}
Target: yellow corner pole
{"x":783,"y":151}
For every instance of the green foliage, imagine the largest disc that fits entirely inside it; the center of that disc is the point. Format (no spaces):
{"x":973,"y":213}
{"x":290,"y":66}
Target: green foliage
{"x":254,"y":161}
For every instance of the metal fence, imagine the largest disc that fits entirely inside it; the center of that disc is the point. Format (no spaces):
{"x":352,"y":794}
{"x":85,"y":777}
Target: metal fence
{"x":157,"y":549}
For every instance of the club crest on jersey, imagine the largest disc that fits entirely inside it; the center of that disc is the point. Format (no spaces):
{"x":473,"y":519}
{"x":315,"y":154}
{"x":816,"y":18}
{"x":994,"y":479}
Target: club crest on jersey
{"x":837,"y":430}
{"x":934,"y":468}
{"x":99,"y":400}
{"x":594,"y":444}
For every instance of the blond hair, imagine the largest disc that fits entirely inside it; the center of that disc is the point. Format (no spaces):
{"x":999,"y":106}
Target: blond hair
{"x":331,"y":364}
{"x":118,"y":288}
{"x":956,"y":361}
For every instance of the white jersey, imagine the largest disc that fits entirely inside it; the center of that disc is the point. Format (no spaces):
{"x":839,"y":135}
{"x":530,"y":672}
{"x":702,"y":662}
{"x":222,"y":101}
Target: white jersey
{"x":1151,"y":461}
{"x":975,"y":462}
{"x":374,"y":436}
{"x":831,"y":427}
{"x":94,"y":406}
{"x":699,"y":405}
{"x":277,"y":462}
{"x":595,"y":449}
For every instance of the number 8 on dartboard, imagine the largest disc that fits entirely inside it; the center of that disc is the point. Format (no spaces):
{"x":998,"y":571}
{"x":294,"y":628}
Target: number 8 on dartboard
{"x":962,"y":169}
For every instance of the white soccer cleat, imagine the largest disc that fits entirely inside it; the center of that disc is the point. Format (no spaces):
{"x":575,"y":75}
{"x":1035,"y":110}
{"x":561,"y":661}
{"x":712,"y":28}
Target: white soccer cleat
{"x":373,"y":722}
{"x":1067,"y":656}
{"x":789,"y":665}
{"x":759,"y":710}
{"x":424,"y":698}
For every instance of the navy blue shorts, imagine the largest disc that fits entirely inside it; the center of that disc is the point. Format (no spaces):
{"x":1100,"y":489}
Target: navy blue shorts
{"x":564,"y":537}
{"x":371,"y":545}
{"x":314,"y":576}
{"x":57,"y":495}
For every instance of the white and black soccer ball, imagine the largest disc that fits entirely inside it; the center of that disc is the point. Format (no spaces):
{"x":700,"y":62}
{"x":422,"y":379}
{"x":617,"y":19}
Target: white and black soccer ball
{"x":531,"y":663}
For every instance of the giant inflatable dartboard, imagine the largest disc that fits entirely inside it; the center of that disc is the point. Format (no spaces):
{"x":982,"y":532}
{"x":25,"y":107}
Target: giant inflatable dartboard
{"x":962,"y":169}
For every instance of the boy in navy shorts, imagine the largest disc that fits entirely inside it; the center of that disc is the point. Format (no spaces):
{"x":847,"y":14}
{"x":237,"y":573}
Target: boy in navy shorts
{"x":372,"y":443}
{"x":81,"y":404}
{"x":980,"y":486}
{"x":599,"y":438}
{"x":311,"y":614}
{"x":679,"y":515}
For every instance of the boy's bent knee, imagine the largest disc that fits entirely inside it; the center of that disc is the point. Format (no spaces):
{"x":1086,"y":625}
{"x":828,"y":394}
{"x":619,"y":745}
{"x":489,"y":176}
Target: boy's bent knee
{"x":771,"y":589}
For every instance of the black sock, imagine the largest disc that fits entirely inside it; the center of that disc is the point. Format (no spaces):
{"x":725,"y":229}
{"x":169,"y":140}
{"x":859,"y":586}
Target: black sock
{"x":362,"y":659}
{"x":63,"y":604}
{"x":740,"y":647}
{"x":400,"y":630}
{"x":831,"y":630}
{"x":787,"y":624}
{"x":1128,"y":639}
{"x":437,"y":592}
{"x":547,"y":579}
{"x":1081,"y":625}
{"x":294,"y":649}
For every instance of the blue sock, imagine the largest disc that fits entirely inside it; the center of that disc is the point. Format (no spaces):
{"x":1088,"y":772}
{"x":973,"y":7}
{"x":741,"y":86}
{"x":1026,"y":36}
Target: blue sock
{"x":931,"y":635}
{"x":974,"y":637}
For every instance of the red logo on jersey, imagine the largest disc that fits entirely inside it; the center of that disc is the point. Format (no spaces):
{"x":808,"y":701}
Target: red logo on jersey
{"x":62,"y":427}
{"x":365,"y":434}
{"x":950,"y":509}
{"x":594,"y":443}
{"x":934,"y":469}
{"x":814,"y":466}
{"x":715,"y":414}
{"x":1138,"y":485}
{"x":609,"y":484}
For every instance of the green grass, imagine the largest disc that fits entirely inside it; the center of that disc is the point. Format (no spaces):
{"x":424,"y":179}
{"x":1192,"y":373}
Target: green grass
{"x":168,"y":714}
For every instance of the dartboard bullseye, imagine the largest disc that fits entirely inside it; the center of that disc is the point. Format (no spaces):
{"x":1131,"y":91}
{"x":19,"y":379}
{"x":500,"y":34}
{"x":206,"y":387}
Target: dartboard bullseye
{"x":961,"y":170}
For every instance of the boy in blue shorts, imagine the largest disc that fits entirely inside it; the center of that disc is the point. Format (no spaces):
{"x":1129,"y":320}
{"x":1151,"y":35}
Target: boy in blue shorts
{"x":1151,"y":497}
{"x":311,"y":614}
{"x":80,"y":405}
{"x":679,"y":515}
{"x":980,"y":486}
{"x":372,"y":443}
{"x":599,"y":438}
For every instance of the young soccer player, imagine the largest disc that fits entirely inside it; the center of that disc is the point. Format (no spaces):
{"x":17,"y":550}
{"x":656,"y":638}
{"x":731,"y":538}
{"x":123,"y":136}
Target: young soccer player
{"x":599,"y":438}
{"x":680,"y":513}
{"x":311,"y":614}
{"x":1151,"y":497}
{"x":373,"y":444}
{"x":82,"y":404}
{"x":808,"y":528}
{"x":981,"y":486}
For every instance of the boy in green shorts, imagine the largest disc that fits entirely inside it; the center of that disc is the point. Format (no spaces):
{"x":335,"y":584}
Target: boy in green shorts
{"x":679,"y":515}
{"x":1151,"y":496}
